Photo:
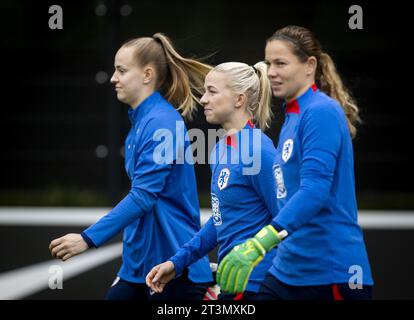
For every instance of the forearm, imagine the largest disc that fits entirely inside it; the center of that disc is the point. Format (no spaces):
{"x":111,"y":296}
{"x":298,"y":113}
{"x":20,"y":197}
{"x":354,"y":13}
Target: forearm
{"x":123,"y":214}
{"x":201,"y":244}
{"x":303,"y":205}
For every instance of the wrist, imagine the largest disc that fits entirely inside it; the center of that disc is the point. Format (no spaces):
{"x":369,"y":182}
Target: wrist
{"x":176,"y":266}
{"x":268,"y":237}
{"x":87,"y":240}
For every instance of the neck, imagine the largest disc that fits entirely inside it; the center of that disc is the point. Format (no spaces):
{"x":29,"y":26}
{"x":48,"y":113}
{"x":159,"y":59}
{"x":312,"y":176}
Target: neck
{"x":141,"y":97}
{"x":237,"y":123}
{"x":301,"y":91}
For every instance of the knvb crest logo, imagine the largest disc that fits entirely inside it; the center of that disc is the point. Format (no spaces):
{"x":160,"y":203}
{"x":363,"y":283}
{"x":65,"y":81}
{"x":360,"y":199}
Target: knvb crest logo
{"x":223,"y":178}
{"x":287,"y":150}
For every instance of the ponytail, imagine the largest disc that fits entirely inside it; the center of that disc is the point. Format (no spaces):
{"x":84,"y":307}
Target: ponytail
{"x":263,"y":113}
{"x":329,"y":81}
{"x":185,"y":77}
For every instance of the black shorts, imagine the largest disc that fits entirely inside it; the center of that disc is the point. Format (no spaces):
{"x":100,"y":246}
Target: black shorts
{"x":180,"y":288}
{"x":274,"y":289}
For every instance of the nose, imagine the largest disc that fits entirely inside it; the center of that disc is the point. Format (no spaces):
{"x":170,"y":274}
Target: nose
{"x":203,"y":99}
{"x":114,"y":79}
{"x":272,"y":72}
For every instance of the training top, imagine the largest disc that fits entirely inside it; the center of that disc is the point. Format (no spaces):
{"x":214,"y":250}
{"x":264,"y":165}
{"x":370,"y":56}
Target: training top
{"x":315,"y":191}
{"x":241,"y":199}
{"x":161,"y":211}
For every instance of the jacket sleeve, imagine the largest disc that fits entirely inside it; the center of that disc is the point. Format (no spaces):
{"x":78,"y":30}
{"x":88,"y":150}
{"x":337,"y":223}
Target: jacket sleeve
{"x":202,"y":243}
{"x":149,"y":178}
{"x":320,"y":138}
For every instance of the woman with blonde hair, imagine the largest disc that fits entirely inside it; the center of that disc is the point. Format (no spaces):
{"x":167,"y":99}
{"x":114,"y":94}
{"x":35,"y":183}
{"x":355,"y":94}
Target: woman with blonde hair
{"x":161,"y":211}
{"x":236,"y":96}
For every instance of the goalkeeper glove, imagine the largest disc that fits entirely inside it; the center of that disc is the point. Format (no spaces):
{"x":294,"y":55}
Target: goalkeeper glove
{"x":235,"y":268}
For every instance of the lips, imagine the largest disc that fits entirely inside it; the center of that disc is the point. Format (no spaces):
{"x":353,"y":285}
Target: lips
{"x":276,"y":85}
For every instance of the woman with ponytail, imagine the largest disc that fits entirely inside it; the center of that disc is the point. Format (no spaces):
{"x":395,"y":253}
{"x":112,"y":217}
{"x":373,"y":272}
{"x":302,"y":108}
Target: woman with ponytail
{"x":321,"y":250}
{"x":161,"y":211}
{"x":237,"y":96}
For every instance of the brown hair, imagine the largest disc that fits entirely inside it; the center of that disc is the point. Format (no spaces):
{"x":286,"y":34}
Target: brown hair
{"x":179,"y":79}
{"x":304,"y":45}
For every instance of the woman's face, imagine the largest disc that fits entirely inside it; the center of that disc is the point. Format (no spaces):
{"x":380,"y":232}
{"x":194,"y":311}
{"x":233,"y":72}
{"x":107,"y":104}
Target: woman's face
{"x":218,"y":100}
{"x":128,"y":78}
{"x":288,"y":75}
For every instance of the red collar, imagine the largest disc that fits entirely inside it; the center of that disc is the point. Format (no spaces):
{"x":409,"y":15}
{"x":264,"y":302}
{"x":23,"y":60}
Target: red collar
{"x":232,"y":139}
{"x":293,"y":106}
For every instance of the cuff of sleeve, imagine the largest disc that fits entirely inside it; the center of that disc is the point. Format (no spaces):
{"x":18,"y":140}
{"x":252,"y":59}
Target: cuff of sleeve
{"x":277,"y":226}
{"x":88,"y":240}
{"x":177,"y":266}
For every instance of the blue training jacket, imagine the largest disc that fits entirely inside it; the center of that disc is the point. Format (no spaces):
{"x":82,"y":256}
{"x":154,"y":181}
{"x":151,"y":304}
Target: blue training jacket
{"x":241,"y":200}
{"x":315,"y":190}
{"x":161,"y":211}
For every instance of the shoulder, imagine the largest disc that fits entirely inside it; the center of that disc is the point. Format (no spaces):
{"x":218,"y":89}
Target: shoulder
{"x":323,"y":105}
{"x":267,"y":143}
{"x":164,"y":111}
{"x":262,"y":149}
{"x":324,"y":112}
{"x":163,"y":116}
{"x":323,"y":119}
{"x":261,"y":143}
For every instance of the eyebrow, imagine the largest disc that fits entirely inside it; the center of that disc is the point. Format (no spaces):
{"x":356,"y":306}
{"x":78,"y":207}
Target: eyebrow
{"x":275,"y":59}
{"x":211,"y":87}
{"x":119,"y":66}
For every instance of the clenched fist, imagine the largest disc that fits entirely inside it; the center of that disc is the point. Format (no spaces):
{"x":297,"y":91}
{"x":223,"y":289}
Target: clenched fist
{"x":68,"y":246}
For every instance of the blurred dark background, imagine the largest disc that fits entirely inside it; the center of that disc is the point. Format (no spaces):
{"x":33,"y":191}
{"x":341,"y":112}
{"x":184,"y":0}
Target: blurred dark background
{"x":62,"y":129}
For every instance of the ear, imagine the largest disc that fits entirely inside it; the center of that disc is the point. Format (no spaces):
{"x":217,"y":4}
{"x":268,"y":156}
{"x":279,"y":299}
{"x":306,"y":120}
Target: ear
{"x":241,"y":99}
{"x":311,"y":65}
{"x":148,"y":75}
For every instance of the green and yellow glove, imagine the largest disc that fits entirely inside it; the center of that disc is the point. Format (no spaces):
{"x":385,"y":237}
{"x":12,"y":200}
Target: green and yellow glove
{"x":234,"y":270}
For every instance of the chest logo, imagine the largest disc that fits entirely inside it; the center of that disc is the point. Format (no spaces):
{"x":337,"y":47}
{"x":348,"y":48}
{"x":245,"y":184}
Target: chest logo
{"x":223,"y":178}
{"x":215,"y":206}
{"x":281,"y":191}
{"x":287,"y":150}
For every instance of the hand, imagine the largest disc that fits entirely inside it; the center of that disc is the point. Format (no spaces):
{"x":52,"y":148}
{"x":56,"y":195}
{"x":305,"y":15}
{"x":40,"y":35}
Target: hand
{"x":160,"y":275}
{"x":68,"y":246}
{"x":234,"y":270}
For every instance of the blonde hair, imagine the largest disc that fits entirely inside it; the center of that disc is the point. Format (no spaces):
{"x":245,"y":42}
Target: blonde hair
{"x":304,"y":45}
{"x":253,"y":82}
{"x":179,"y":79}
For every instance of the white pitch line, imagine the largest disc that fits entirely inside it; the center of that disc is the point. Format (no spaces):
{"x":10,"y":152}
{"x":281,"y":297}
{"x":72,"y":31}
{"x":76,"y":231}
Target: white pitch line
{"x":20,"y":216}
{"x":386,"y":220}
{"x":20,"y":283}
{"x":50,"y":216}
